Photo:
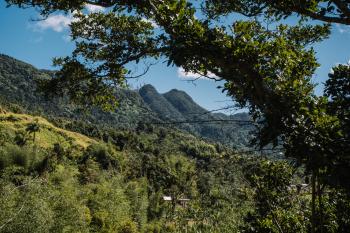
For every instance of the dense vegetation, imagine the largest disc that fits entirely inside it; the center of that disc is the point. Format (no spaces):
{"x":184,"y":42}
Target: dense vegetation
{"x":115,"y":178}
{"x":54,"y":180}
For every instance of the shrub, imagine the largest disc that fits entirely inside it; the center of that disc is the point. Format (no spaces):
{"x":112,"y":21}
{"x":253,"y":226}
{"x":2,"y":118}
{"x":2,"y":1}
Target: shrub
{"x":154,"y":227}
{"x":20,"y":138}
{"x":128,"y":227}
{"x":23,"y":157}
{"x":102,"y":154}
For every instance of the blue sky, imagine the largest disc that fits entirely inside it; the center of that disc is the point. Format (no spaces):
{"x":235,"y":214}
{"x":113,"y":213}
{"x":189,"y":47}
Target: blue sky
{"x":38,"y":42}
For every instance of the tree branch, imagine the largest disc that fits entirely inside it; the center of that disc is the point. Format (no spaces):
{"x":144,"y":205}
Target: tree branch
{"x":342,"y":6}
{"x":324,"y":18}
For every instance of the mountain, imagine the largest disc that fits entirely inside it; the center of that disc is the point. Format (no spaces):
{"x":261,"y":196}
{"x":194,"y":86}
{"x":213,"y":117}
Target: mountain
{"x":183,"y":102}
{"x":179,"y":108}
{"x":175,"y":108}
{"x":18,"y":88}
{"x":159,"y":104}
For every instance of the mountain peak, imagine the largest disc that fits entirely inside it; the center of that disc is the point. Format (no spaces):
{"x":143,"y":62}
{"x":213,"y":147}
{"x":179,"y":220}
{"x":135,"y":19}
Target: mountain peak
{"x":183,"y":102}
{"x":179,"y":93}
{"x":158,"y":103}
{"x":148,"y":88}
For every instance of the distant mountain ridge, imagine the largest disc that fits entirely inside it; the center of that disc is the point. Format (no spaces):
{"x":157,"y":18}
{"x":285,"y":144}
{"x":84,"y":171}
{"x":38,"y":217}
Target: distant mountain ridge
{"x":183,"y":102}
{"x":18,"y":86}
{"x":178,"y":106}
{"x":159,"y":104}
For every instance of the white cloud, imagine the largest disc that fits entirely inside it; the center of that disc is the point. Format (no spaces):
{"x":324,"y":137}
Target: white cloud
{"x":190,"y":75}
{"x":94,"y":8}
{"x":331,"y":71}
{"x":61,"y":22}
{"x":57,"y":23}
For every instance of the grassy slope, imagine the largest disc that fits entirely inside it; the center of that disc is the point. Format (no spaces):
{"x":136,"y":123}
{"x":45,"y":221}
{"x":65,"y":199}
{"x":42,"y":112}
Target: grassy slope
{"x":48,"y":134}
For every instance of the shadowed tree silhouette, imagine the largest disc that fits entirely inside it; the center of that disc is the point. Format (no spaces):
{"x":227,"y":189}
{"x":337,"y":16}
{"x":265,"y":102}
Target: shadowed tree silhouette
{"x":33,"y":128}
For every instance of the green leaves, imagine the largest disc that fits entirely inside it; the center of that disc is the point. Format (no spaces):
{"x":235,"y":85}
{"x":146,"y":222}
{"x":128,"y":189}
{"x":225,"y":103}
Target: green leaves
{"x":105,"y":43}
{"x":80,"y":84}
{"x":324,"y":10}
{"x":277,"y":207}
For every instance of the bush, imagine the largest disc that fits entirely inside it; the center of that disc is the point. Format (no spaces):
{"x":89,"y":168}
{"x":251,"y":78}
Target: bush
{"x":20,"y":138}
{"x":154,"y":227}
{"x":4,"y":136}
{"x":23,"y":157}
{"x":128,"y":227}
{"x":102,"y":154}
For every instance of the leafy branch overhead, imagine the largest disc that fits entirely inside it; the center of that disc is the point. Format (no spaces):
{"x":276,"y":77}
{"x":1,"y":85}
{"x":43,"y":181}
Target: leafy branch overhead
{"x":331,"y":11}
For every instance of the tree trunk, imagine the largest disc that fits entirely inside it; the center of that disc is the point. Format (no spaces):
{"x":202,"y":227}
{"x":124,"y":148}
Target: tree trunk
{"x":313,"y":203}
{"x":320,"y":204}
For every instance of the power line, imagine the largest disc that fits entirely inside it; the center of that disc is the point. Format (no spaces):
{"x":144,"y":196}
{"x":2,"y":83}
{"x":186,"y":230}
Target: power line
{"x":202,"y":121}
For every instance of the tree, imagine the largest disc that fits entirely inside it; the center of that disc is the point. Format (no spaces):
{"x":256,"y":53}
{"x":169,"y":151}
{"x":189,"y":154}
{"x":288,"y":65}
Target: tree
{"x":332,"y":11}
{"x":33,"y":128}
{"x":337,"y":90}
{"x":277,"y":206}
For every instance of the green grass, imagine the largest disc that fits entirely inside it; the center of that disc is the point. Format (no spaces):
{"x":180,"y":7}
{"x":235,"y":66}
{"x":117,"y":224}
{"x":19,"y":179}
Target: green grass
{"x":12,"y":123}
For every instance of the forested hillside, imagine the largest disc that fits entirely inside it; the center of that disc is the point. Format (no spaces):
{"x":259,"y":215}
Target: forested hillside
{"x":112,"y":172}
{"x":116,"y":173}
{"x":152,"y":179}
{"x":177,"y":106}
{"x":54,"y":180}
{"x":18,"y":86}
